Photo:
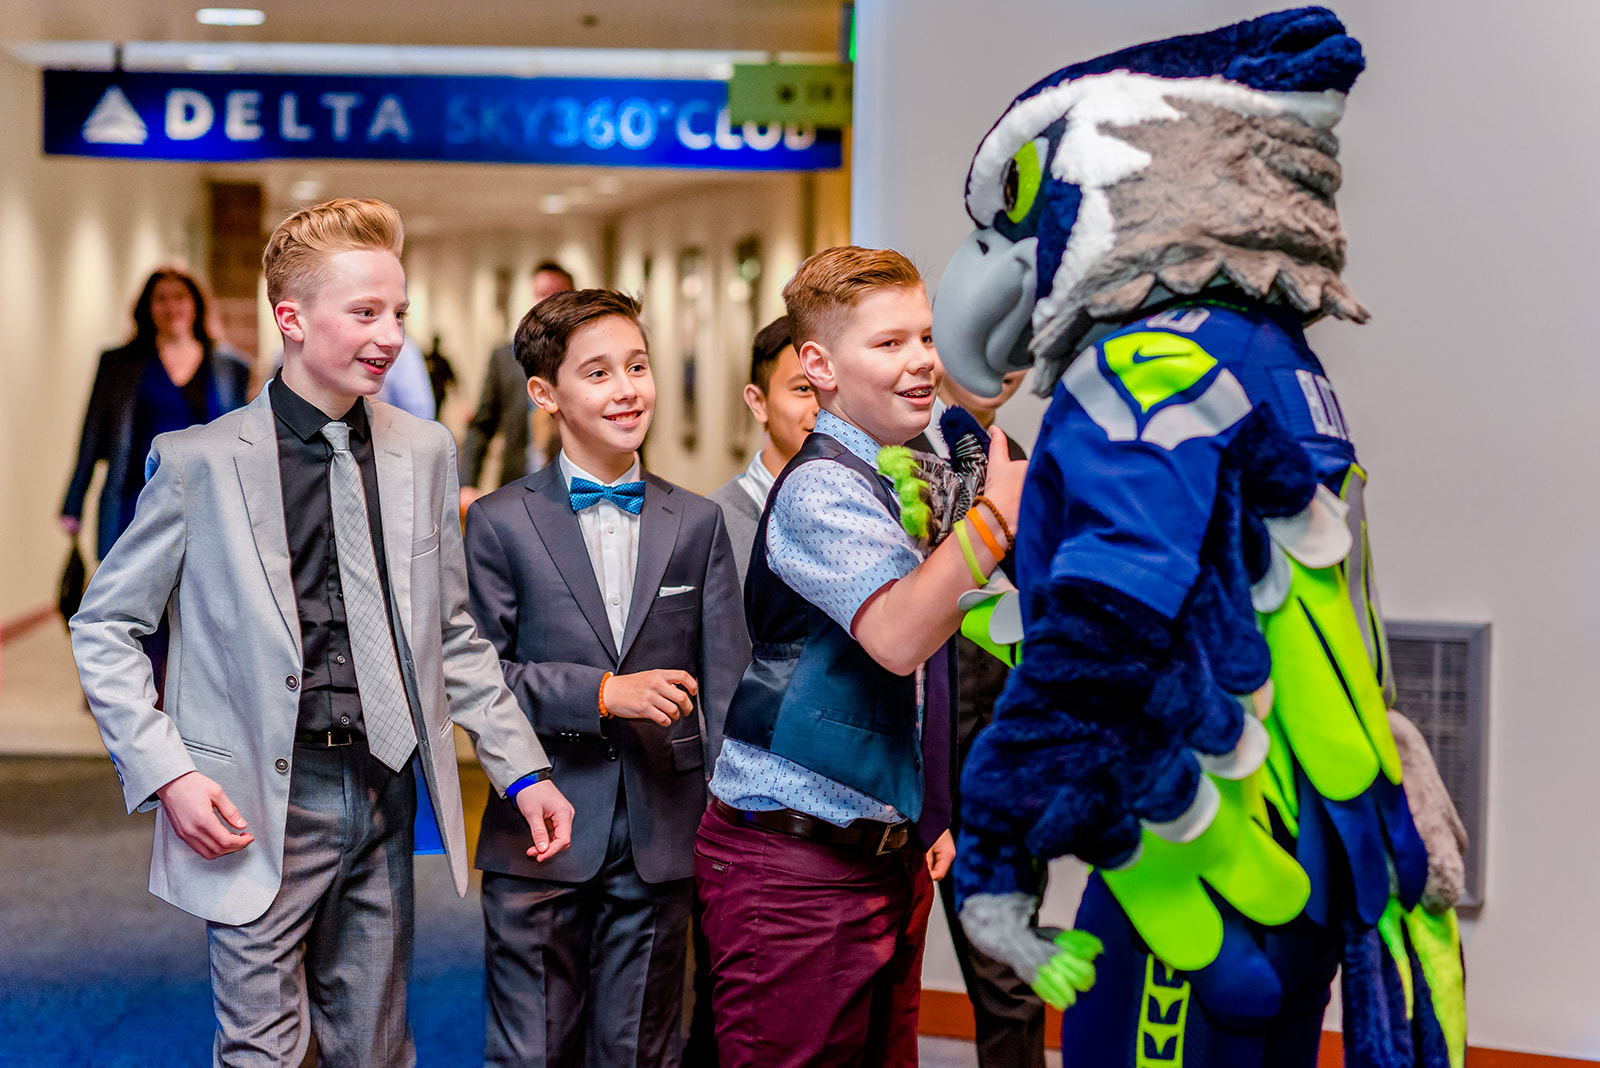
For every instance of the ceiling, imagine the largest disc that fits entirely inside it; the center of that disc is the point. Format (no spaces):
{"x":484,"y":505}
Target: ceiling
{"x":455,"y":198}
{"x":762,"y":25}
{"x":465,"y":198}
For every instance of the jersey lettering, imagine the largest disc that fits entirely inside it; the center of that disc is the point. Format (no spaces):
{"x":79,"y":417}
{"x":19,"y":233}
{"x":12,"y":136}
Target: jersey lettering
{"x":1326,"y":415}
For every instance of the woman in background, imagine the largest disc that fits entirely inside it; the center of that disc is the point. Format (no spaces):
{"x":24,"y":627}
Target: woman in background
{"x":171,"y":375}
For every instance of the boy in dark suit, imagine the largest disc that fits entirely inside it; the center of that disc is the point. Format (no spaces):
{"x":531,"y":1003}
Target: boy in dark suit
{"x":612,"y":598}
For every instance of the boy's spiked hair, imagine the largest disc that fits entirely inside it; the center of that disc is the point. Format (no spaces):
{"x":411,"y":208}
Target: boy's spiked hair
{"x":298,"y":250}
{"x":832,"y":281}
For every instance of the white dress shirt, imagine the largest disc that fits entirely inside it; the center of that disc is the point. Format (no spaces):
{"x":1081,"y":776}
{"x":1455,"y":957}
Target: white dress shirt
{"x":757,"y":480}
{"x":611,"y":535}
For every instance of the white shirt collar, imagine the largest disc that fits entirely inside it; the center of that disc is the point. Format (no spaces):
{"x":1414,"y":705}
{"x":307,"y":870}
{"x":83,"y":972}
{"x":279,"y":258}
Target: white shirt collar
{"x":757,"y":480}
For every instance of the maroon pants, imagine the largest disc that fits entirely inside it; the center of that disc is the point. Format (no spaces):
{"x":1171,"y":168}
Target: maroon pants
{"x":816,"y":951}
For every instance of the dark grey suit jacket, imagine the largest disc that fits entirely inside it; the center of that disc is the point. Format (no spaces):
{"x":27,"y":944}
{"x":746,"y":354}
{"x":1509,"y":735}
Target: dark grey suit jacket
{"x":534,"y":596}
{"x":742,"y":516}
{"x":502,"y":409}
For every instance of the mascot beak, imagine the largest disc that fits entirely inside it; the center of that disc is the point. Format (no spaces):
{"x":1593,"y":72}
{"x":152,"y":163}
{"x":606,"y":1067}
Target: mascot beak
{"x":982,"y":314}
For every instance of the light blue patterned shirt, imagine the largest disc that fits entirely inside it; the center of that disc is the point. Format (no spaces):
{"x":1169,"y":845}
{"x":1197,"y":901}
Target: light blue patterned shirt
{"x":832,"y":542}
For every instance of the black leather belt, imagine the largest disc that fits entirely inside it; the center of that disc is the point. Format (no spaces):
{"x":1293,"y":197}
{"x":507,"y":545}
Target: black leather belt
{"x":330,"y":739}
{"x":870,"y":836}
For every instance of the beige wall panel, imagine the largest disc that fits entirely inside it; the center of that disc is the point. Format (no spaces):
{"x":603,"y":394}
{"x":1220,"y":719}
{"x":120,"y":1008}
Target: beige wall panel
{"x":77,"y":240}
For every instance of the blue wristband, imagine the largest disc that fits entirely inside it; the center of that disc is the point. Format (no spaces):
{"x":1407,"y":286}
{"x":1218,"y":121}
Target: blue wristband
{"x":542,"y":775}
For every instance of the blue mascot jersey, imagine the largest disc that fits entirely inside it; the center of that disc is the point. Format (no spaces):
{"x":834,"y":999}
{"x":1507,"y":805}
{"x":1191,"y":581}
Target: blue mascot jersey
{"x":1146,"y":415}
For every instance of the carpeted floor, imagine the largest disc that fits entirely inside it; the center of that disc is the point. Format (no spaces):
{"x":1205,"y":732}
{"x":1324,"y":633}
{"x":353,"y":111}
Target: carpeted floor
{"x":96,"y":971}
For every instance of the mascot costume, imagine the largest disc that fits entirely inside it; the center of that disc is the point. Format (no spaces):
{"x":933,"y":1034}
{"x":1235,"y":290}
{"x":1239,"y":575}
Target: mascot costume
{"x":1201,"y":711}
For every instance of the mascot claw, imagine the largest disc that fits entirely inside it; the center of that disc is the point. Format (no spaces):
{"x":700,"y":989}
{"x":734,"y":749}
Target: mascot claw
{"x":1059,"y":965}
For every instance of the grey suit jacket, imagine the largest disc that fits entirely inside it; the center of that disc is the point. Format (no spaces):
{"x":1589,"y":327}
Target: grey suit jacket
{"x":742,"y":516}
{"x":209,"y":546}
{"x":535,"y":598}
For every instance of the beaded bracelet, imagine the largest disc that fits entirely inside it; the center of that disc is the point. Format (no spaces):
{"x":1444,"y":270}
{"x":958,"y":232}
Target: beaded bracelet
{"x":605,"y":713}
{"x":972,"y":558}
{"x":976,"y":519}
{"x":1005,"y":528}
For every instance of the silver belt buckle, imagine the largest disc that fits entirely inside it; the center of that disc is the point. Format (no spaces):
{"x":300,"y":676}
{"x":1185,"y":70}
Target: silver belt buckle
{"x":883,"y":839}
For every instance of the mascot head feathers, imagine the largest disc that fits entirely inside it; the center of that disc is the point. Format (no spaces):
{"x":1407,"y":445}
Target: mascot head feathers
{"x":1151,"y":173}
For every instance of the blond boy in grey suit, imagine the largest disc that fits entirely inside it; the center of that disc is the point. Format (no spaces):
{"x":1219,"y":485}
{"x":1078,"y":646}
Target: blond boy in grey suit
{"x":307,"y":553}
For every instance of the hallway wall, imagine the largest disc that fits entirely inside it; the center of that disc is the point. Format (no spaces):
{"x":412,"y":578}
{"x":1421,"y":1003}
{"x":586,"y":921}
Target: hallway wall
{"x":77,"y":240}
{"x":727,"y":308}
{"x":1469,"y":204}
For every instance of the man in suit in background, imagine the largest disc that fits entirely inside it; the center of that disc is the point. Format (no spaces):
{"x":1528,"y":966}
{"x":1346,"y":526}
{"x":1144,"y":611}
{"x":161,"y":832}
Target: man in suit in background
{"x":785,"y":405}
{"x":612,"y":599}
{"x":1009,"y":1015}
{"x":503,"y":403}
{"x":306,"y":552}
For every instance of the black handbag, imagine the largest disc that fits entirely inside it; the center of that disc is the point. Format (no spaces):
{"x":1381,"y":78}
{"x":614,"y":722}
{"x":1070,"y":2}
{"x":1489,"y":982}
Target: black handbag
{"x":69,"y":594}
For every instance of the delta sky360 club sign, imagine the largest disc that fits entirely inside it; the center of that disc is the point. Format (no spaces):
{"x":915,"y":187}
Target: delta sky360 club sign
{"x":595,"y":122}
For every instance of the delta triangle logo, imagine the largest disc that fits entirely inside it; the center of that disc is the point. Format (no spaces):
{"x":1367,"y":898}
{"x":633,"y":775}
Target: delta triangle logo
{"x":114,"y":121}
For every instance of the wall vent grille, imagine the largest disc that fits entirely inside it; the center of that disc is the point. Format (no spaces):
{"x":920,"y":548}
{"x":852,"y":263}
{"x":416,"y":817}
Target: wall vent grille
{"x":1441,"y":674}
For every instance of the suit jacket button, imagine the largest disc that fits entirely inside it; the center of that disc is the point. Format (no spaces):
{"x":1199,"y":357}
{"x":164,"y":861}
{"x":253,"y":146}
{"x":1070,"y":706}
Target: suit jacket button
{"x":291,"y":682}
{"x":611,"y":752}
{"x":281,"y":764}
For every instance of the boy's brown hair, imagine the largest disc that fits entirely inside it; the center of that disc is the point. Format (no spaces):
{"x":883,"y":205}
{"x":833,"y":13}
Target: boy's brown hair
{"x":832,"y":281}
{"x":540,"y":343}
{"x":300,"y":245}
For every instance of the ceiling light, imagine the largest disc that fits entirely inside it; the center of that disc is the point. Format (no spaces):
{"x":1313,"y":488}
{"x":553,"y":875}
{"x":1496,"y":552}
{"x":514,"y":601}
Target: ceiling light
{"x":206,"y":61}
{"x":608,"y":185}
{"x":553,"y":204}
{"x":230,"y":16}
{"x":305,"y":190}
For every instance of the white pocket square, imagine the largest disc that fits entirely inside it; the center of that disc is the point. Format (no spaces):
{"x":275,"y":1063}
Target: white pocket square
{"x":673,"y":591}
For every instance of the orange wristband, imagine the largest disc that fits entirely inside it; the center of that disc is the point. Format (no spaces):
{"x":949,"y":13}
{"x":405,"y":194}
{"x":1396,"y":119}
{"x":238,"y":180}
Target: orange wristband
{"x":605,"y":713}
{"x":1005,"y":528}
{"x":986,"y":534}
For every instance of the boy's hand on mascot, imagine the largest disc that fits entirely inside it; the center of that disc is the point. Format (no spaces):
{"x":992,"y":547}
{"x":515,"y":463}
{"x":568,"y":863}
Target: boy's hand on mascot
{"x":1059,"y":965}
{"x":1003,"y":485}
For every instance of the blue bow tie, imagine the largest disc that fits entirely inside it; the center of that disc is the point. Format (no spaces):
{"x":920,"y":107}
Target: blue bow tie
{"x":629,"y":496}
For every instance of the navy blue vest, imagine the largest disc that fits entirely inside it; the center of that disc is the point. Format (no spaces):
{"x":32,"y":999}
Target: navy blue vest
{"x":813,"y":695}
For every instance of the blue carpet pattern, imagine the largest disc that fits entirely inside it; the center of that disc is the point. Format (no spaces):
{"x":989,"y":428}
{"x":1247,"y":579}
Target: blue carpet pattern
{"x":96,"y":971}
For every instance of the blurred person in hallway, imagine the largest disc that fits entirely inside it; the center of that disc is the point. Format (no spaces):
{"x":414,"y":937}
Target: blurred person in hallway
{"x":171,"y":374}
{"x":407,"y":385}
{"x":503,"y":406}
{"x":441,"y":376}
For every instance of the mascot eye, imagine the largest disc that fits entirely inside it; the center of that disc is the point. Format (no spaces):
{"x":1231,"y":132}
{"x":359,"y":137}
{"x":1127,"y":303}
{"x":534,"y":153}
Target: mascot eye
{"x":1022,"y":179}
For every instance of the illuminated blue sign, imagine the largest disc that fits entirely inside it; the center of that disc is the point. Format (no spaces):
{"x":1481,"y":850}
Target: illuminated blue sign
{"x":594,"y":122}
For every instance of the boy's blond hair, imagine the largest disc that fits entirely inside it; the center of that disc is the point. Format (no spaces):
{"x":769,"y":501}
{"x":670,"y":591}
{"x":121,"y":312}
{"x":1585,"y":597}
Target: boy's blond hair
{"x":832,"y":281}
{"x":300,"y":245}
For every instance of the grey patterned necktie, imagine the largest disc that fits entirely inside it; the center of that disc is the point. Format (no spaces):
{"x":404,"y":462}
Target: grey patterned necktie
{"x":391,"y":736}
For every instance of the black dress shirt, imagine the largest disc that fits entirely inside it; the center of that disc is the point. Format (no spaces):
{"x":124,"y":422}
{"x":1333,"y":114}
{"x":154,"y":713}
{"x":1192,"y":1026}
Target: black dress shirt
{"x":329,"y":699}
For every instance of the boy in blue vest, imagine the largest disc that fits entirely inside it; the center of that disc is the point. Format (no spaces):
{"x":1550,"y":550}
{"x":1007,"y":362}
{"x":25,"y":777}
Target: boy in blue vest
{"x":834,"y":778}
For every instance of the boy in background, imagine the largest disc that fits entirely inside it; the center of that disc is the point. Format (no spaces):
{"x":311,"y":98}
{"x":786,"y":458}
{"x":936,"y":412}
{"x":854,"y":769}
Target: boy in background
{"x":306,"y":552}
{"x":783,"y":402}
{"x":836,"y":773}
{"x":613,"y":601}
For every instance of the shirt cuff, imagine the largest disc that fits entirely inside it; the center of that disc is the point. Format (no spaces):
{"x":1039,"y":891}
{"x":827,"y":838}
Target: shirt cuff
{"x":542,"y":775}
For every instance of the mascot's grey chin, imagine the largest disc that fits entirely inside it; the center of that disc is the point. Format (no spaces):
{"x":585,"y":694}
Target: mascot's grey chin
{"x":1160,"y":171}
